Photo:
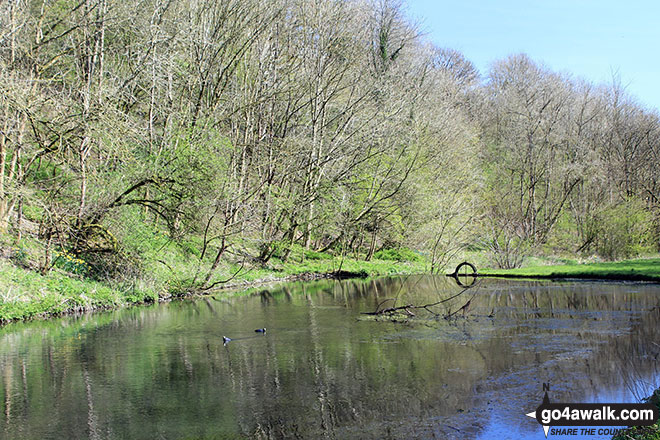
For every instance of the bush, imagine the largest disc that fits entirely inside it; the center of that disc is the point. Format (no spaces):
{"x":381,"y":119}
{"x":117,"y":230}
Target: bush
{"x":398,"y":254}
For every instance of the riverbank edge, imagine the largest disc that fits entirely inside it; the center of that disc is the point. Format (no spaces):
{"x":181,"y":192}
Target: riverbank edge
{"x":643,"y":269}
{"x":577,"y":276}
{"x":36,"y":310}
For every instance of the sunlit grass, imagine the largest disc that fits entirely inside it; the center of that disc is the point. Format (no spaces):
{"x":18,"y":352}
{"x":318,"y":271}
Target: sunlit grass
{"x":25,"y":294}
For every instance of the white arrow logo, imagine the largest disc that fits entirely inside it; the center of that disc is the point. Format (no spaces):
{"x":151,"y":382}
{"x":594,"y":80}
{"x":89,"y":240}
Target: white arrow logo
{"x":546,"y":428}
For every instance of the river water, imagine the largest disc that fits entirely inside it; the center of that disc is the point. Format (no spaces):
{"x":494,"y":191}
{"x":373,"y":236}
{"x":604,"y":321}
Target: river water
{"x":322,"y":370}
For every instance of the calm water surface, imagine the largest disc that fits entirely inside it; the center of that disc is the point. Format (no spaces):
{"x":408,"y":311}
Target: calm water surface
{"x":321,"y":371}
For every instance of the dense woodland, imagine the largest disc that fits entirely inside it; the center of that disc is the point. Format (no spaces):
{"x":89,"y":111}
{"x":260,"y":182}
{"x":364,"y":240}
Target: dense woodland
{"x":246,"y":132}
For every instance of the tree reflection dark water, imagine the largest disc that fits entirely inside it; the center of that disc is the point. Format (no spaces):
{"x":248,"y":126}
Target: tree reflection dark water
{"x":319,"y":371}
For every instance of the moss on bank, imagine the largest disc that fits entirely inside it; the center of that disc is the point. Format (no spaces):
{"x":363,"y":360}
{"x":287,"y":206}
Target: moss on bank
{"x":26,"y":294}
{"x":646,"y":269}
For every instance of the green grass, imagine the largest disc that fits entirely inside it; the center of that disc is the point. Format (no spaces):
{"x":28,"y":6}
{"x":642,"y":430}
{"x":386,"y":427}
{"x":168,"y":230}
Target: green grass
{"x":25,"y":294}
{"x":645,"y":269}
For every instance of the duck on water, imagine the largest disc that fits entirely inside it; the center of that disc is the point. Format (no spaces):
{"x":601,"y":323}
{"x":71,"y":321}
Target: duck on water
{"x":225,"y":339}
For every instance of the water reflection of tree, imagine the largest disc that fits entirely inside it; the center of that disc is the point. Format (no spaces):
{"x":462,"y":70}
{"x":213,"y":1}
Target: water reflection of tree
{"x":636,"y":361}
{"x":165,"y":371}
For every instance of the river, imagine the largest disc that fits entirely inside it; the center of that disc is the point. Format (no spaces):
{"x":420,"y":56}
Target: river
{"x":324,"y":370}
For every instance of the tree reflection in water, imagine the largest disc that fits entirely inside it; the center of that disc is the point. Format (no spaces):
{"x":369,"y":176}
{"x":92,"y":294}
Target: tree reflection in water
{"x":163,"y":371}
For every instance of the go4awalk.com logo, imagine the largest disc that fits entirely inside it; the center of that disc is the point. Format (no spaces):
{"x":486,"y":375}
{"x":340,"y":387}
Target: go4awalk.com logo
{"x":570,"y":416}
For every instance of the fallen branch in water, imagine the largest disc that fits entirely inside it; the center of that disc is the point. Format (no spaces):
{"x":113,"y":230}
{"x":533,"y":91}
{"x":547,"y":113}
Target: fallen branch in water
{"x":409,"y":307}
{"x":390,"y":310}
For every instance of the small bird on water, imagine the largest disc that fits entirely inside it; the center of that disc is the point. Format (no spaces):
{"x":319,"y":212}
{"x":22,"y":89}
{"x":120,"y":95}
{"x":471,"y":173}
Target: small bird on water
{"x":225,"y":339}
{"x":261,"y":330}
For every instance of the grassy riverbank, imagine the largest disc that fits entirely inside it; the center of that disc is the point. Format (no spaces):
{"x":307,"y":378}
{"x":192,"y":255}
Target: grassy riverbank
{"x":646,"y":269}
{"x":26,"y":294}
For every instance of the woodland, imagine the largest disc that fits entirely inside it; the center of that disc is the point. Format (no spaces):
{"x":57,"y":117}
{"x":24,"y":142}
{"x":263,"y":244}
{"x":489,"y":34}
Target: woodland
{"x":196,"y":138}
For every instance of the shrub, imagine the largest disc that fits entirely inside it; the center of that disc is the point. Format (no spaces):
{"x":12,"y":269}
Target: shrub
{"x":398,"y":254}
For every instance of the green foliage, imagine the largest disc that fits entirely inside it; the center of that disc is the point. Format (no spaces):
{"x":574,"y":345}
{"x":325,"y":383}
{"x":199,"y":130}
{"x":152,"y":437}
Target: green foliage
{"x":19,"y":255}
{"x":190,"y":247}
{"x":398,"y":254}
{"x":626,"y":231}
{"x":562,"y":238}
{"x":70,"y":263}
{"x":313,"y":255}
{"x":179,"y":286}
{"x":279,"y":248}
{"x":33,"y":213}
{"x":26,"y":294}
{"x":145,"y":166}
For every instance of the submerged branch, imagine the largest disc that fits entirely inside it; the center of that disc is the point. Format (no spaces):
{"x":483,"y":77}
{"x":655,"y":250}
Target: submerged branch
{"x":408,"y":308}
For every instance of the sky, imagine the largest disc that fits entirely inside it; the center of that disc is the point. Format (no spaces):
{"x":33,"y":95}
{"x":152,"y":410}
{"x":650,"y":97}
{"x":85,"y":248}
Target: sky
{"x":586,"y":38}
